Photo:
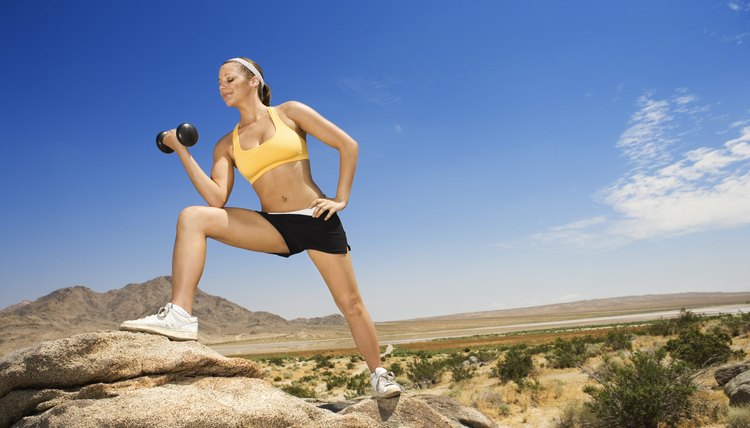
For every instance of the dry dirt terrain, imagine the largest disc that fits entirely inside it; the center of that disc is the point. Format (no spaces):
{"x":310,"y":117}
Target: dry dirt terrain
{"x":293,"y":363}
{"x":541,"y":406}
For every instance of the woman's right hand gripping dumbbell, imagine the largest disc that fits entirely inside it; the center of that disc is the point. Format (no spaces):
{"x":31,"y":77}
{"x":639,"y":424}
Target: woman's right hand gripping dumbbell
{"x":185,"y":134}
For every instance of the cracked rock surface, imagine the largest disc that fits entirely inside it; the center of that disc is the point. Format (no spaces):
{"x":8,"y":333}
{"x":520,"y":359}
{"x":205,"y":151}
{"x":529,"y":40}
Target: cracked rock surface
{"x":125,"y":379}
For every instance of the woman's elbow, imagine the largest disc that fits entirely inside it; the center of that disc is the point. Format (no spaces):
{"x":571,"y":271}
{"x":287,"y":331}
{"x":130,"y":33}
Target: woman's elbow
{"x":217,"y":202}
{"x":353,"y":147}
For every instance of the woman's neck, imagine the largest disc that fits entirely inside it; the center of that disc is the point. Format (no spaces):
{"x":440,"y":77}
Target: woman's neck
{"x":252,"y":111}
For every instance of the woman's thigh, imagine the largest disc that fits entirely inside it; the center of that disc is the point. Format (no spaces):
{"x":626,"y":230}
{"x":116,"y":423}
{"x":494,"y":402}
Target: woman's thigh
{"x":237,"y":227}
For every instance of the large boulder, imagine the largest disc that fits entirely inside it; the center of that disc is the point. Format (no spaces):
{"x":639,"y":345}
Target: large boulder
{"x":125,"y":379}
{"x":421,"y":411}
{"x":725,"y":373}
{"x":738,"y":389}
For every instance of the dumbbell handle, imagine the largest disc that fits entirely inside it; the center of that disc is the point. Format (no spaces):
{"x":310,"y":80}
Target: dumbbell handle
{"x":187,"y":135}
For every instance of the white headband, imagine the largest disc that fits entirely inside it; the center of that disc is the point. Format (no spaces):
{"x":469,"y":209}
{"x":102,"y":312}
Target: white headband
{"x":249,"y":67}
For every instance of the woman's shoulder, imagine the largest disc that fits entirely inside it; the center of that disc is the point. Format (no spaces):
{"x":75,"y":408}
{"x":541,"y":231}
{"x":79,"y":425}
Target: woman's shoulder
{"x":225,"y":142}
{"x":292,"y":108}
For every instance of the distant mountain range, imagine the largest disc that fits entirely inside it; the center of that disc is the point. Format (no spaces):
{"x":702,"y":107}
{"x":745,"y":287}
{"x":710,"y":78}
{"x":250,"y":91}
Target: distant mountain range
{"x":74,"y":310}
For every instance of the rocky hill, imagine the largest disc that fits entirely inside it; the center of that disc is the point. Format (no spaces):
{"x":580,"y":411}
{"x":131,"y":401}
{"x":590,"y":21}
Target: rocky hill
{"x":74,"y":310}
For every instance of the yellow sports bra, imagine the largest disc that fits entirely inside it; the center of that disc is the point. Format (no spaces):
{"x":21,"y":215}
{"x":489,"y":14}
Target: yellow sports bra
{"x":285,"y":146}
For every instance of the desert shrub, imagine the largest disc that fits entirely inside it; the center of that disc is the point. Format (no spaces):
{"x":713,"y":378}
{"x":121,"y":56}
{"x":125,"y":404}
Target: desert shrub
{"x":701,"y":350}
{"x":454,"y":359}
{"x":333,"y":380}
{"x":516,"y":365}
{"x":308,"y":378}
{"x":323,"y":361}
{"x":485,"y":355}
{"x":683,"y":323}
{"x":275,"y":361}
{"x":277,"y":379}
{"x":396,"y":368}
{"x":575,"y":414}
{"x":299,"y":390}
{"x":734,"y":325}
{"x":738,"y":417}
{"x":618,"y":340}
{"x":357,"y":385}
{"x":534,"y":389}
{"x":461,"y":372}
{"x":567,"y":353}
{"x":643,"y":393}
{"x":424,"y":370}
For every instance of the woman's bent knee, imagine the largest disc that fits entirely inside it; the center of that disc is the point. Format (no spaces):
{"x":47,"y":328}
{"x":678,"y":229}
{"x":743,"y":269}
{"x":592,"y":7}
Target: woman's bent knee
{"x":195,"y":217}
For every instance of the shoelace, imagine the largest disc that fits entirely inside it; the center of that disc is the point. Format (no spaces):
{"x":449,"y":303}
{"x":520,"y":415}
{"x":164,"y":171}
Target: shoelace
{"x":388,"y":379}
{"x":163,"y":311}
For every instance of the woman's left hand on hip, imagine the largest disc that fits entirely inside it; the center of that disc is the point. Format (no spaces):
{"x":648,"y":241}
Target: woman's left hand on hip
{"x":322,"y":205}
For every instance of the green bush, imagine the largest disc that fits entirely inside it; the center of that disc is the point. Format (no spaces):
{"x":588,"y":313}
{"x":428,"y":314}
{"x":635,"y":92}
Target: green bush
{"x":299,"y":390}
{"x":323,"y":361}
{"x":396,"y":369}
{"x":734,"y":325}
{"x":575,"y":414}
{"x":424,"y":370}
{"x":516,"y":366}
{"x":643,"y":393}
{"x":685,"y":322}
{"x":485,"y":355}
{"x":567,"y":353}
{"x":618,"y":340}
{"x":276,"y":361}
{"x":460,"y":372}
{"x":701,"y":350}
{"x":333,"y":380}
{"x":357,"y":385}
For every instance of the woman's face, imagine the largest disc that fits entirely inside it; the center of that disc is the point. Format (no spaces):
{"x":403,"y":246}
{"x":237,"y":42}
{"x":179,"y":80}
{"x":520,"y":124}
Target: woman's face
{"x":234,"y":84}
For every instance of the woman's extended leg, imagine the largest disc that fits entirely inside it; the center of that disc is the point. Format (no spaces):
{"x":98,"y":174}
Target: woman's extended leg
{"x":233,"y":226}
{"x":338,"y":274}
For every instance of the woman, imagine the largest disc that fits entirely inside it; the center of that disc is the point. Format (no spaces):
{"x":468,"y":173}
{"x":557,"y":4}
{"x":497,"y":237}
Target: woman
{"x":268,"y":146}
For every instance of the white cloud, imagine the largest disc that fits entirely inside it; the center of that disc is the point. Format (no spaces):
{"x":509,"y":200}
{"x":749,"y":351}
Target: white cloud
{"x":737,"y":38}
{"x":376,"y":91}
{"x":739,"y":6}
{"x":646,"y":142}
{"x":666,"y":195}
{"x":398,"y":128}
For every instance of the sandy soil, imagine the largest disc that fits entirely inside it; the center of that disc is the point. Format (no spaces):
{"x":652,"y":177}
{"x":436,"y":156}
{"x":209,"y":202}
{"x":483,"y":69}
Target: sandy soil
{"x":540,"y":406}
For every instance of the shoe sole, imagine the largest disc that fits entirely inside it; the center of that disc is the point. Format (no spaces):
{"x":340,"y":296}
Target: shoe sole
{"x":174,"y":335}
{"x":387,"y":394}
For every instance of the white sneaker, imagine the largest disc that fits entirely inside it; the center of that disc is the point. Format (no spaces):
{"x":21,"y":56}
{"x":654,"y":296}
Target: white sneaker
{"x":384,"y":384}
{"x":167,"y":322}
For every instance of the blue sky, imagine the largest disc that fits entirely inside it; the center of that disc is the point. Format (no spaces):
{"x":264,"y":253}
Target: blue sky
{"x":511,"y":153}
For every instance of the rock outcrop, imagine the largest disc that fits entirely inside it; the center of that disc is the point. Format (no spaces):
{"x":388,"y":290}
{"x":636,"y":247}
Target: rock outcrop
{"x":126,"y":379}
{"x":738,"y":389}
{"x":727,"y":372}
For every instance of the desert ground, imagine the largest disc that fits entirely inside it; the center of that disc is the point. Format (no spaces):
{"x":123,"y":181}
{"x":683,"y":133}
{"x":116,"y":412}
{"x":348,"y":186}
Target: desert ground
{"x":331,"y":369}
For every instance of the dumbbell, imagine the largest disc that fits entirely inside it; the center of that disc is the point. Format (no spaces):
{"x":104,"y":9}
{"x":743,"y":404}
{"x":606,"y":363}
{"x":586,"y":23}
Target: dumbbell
{"x":187,"y":135}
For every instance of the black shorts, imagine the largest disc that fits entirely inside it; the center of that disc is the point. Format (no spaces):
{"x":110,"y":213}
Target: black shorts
{"x":303,"y":232}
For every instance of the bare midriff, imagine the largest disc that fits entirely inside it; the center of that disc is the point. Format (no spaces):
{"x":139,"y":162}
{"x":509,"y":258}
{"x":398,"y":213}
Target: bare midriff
{"x":288,"y":187}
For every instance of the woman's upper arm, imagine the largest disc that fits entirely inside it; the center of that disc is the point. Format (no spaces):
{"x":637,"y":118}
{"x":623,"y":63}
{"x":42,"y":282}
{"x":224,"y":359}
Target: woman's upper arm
{"x":222,"y":172}
{"x":316,"y":125}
